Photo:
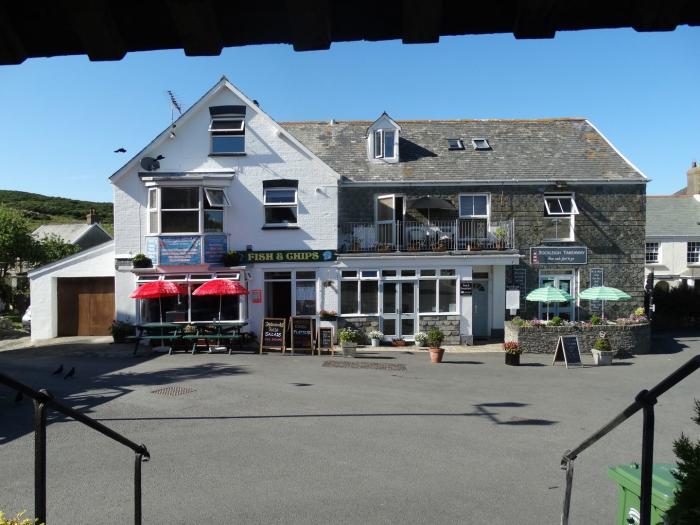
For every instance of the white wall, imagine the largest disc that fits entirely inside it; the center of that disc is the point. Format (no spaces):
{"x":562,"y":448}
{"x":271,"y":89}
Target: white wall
{"x":673,"y":257}
{"x":95,"y":262}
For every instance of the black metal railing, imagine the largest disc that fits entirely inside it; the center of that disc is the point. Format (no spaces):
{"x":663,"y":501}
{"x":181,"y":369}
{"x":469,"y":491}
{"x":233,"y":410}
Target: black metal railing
{"x":645,"y":401}
{"x":42,"y":401}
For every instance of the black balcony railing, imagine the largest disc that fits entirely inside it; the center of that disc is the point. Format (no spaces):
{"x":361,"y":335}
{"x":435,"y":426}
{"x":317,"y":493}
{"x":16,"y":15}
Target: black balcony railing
{"x":437,"y":236}
{"x":42,"y":401}
{"x":645,"y":401}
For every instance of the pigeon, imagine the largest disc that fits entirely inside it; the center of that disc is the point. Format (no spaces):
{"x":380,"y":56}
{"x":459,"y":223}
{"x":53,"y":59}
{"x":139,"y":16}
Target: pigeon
{"x":120,"y":150}
{"x":57,"y":371}
{"x":70,"y":373}
{"x":160,"y":157}
{"x":19,"y":397}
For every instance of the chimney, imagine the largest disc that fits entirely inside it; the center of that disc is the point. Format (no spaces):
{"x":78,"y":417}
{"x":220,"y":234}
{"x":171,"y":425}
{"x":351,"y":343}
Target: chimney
{"x":91,"y":217}
{"x":693,"y":180}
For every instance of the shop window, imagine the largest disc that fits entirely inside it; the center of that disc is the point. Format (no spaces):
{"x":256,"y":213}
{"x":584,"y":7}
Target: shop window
{"x":559,"y":210}
{"x":360,"y":296}
{"x":651,"y":252}
{"x":447,"y":295}
{"x":693,"y":252}
{"x":349,"y":302}
{"x":438,"y":294}
{"x":305,"y":294}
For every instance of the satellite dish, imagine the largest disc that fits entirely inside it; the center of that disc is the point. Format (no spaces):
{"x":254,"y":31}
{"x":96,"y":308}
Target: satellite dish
{"x":150,"y":164}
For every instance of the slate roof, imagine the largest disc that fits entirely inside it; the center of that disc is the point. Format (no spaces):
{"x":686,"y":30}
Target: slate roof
{"x":676,"y":215}
{"x":69,"y":233}
{"x":553,"y":149}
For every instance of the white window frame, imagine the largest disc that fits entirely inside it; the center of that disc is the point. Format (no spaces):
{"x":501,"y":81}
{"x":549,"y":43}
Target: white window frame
{"x":153,"y":209}
{"x":237,"y":129}
{"x":200,"y":209}
{"x":359,"y":278}
{"x":378,"y":140}
{"x":439,"y":276}
{"x":458,"y":144}
{"x":647,"y":252}
{"x":695,"y":252}
{"x":481,"y":144}
{"x":549,"y":214}
{"x":473,"y":216}
{"x":291,"y":204}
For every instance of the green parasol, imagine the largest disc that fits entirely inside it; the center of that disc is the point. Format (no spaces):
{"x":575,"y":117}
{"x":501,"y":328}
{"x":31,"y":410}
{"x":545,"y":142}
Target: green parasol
{"x":604,"y":293}
{"x":548,"y":294}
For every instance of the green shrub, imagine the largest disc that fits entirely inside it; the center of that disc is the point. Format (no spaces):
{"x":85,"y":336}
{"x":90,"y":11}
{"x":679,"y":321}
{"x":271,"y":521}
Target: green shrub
{"x":638,"y":312}
{"x":120,"y":330}
{"x":595,"y":320}
{"x":348,"y":335}
{"x":686,"y":507}
{"x":435,"y":337}
{"x":141,"y":261}
{"x":602,"y":343}
{"x":556,"y":321}
{"x":19,"y":519}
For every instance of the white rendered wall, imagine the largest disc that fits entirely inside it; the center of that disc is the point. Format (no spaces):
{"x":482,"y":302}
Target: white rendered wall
{"x":97,"y":262}
{"x":673,"y":257}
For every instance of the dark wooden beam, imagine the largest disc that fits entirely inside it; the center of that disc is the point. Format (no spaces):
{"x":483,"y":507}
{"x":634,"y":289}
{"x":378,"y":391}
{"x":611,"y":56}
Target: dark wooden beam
{"x":94,"y":25}
{"x":421,"y":21}
{"x":198,"y":26}
{"x":309,"y":24}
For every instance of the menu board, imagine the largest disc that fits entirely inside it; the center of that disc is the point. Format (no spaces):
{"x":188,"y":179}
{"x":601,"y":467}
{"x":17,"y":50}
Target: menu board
{"x":568,"y":351}
{"x":596,"y":280}
{"x":302,"y":333}
{"x":272,"y":332}
{"x":325,"y":338}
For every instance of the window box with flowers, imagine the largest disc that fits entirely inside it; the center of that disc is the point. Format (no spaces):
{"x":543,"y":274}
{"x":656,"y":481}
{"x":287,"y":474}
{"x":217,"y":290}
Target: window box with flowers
{"x":512,"y":351}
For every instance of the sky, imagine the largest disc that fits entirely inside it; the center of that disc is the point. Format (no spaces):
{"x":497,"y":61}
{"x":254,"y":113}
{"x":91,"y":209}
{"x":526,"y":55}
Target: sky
{"x":61,"y":118}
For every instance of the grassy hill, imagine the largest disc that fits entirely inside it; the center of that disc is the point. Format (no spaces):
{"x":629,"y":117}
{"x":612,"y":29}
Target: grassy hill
{"x":41,"y":209}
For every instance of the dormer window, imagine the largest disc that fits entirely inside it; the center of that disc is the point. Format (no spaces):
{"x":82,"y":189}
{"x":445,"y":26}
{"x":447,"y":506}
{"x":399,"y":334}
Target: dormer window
{"x":227,"y":130}
{"x":383,"y":140}
{"x":384,"y":144}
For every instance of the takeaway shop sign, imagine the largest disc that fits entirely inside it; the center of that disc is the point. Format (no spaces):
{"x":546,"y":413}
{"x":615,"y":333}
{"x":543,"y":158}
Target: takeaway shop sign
{"x":296,"y":256}
{"x":559,"y":255}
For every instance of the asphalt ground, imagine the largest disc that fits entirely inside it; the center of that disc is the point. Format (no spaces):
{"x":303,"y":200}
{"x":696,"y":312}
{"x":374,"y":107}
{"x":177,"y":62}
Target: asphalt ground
{"x":278,"y":439}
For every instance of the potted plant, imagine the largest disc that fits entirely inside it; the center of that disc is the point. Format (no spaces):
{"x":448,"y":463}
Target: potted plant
{"x":474,"y":245}
{"x":120,"y":330}
{"x":435,"y":338}
{"x":442,"y":245}
{"x":421,"y":339}
{"x":141,"y":261}
{"x":328,"y":315}
{"x":232,"y":258}
{"x":375,"y":336}
{"x":602,"y":351}
{"x":348,"y":338}
{"x":513,"y":351}
{"x":501,"y":235}
{"x":398,"y":341}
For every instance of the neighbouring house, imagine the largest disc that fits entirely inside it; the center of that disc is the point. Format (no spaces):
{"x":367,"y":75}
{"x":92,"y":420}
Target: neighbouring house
{"x":395,"y":225}
{"x":86,"y":235}
{"x":672,"y":248}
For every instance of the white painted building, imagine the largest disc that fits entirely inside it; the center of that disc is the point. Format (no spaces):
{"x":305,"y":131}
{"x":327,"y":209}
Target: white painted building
{"x":226,"y":177}
{"x":672,"y":249}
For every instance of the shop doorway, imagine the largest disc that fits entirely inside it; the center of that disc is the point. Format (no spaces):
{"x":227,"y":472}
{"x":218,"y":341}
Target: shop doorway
{"x":278,"y":299}
{"x":399,"y":309}
{"x":564,"y":310}
{"x":480,"y":309}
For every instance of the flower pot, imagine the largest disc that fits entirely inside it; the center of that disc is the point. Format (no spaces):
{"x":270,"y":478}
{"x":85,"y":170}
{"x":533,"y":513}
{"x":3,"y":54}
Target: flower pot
{"x":348,"y":349}
{"x":512,"y":359}
{"x":375,"y":342}
{"x":602,"y":358}
{"x":398,"y":342}
{"x":436,"y":355}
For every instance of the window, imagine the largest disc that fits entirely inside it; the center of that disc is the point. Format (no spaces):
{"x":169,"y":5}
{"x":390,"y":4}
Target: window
{"x":694,"y":252}
{"x":481,"y":144}
{"x":280,"y":206}
{"x":180,"y":210}
{"x":559,"y":211}
{"x":437,"y":294}
{"x":305,"y":293}
{"x":454,"y":144}
{"x":473,"y":206}
{"x":360,"y":296}
{"x":227,"y":136}
{"x":652,"y":252}
{"x":384,"y":144}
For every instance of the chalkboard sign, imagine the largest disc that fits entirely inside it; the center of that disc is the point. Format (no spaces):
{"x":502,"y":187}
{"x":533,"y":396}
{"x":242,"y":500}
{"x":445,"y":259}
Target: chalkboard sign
{"x":596,"y":280}
{"x":465,"y":287}
{"x":272,"y":332}
{"x":567,"y":351}
{"x":302,"y":333}
{"x":325,"y":339}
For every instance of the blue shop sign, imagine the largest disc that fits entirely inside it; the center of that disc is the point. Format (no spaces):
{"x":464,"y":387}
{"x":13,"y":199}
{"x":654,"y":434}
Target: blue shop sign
{"x":559,"y":255}
{"x":215,"y":247}
{"x":183,"y":250}
{"x":152,"y":249}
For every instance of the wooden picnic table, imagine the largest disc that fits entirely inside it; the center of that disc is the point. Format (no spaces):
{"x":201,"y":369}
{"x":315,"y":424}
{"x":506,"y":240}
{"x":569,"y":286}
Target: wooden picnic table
{"x":156,"y":331}
{"x":222,"y":332}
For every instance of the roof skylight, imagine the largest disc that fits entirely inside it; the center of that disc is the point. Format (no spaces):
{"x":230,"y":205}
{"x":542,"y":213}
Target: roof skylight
{"x":481,"y":144}
{"x":455,"y":144}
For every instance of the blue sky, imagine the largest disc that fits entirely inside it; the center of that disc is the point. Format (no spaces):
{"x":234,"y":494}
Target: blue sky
{"x":63,"y":117}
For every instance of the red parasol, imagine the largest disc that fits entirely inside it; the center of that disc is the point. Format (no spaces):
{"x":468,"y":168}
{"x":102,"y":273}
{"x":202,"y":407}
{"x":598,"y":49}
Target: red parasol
{"x":158,"y":289}
{"x":221,"y":287}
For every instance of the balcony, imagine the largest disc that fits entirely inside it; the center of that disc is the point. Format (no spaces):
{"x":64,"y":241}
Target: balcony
{"x":433,"y":236}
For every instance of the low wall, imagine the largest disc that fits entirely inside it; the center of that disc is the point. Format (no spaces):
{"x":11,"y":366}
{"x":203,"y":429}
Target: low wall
{"x":448,"y":324}
{"x":624,"y":339}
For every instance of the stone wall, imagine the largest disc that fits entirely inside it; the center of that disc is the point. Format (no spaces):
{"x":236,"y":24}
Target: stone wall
{"x":624,"y":339}
{"x":363,"y":324}
{"x":610,"y":223}
{"x":449,"y":324}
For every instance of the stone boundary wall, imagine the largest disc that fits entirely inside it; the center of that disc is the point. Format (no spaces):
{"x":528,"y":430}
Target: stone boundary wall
{"x":624,"y":339}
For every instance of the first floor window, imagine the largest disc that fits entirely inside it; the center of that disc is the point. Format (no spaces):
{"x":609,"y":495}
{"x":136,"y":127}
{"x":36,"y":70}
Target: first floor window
{"x":280,"y":206}
{"x":186,"y":210}
{"x":694,"y":252}
{"x":559,"y":211}
{"x":227,"y":136}
{"x":652,"y":252}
